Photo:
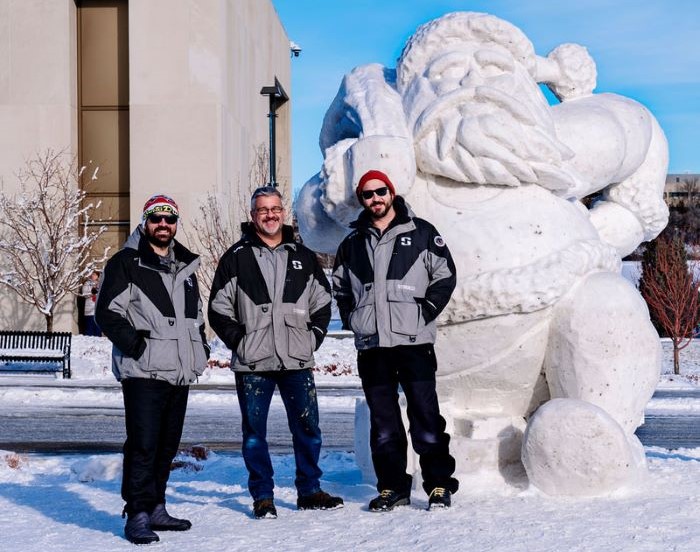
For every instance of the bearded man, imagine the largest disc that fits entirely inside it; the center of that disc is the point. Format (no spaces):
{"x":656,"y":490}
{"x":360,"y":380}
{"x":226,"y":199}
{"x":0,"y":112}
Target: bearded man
{"x":150,"y":309}
{"x":393,"y":275}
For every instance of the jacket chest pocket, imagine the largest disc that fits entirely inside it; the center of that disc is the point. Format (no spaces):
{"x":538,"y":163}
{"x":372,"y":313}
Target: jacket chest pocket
{"x":258,"y":342}
{"x":162,"y":349}
{"x":404,"y":312}
{"x":405,"y":317}
{"x":363,"y":320}
{"x":300,"y":339}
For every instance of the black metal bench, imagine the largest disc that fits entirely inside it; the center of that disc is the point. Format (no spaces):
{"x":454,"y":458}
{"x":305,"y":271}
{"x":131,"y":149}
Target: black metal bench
{"x":35,"y":352}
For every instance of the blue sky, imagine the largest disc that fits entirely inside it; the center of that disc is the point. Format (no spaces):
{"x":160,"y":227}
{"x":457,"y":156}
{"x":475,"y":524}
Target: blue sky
{"x":648,"y":50}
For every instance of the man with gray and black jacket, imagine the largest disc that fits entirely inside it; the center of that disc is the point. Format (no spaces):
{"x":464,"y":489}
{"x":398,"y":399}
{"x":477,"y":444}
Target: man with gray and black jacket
{"x":270,"y":304}
{"x":150,"y":309}
{"x":393,"y":276}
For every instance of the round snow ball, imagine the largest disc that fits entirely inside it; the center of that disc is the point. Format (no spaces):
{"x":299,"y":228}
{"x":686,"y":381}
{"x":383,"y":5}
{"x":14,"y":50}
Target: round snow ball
{"x":575,"y":448}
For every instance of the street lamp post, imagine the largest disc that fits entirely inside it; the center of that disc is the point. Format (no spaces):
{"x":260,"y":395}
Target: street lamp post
{"x":277,"y":97}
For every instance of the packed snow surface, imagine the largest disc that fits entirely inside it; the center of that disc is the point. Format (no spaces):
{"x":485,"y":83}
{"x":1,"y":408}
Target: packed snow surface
{"x":69,"y":502}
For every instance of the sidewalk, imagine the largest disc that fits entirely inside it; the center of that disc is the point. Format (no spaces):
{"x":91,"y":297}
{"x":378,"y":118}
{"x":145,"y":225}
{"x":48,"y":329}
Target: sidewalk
{"x":49,"y":382}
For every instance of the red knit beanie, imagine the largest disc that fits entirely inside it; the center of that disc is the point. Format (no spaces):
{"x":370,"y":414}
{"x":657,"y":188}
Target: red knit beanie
{"x":374,"y":175}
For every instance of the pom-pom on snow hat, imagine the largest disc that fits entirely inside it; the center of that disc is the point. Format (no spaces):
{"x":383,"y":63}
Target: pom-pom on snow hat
{"x":374,"y":175}
{"x":159,"y":203}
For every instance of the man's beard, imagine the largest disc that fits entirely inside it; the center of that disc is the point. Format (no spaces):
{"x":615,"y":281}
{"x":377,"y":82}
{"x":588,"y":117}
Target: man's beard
{"x":160,"y":242}
{"x":380,"y":214}
{"x":269,"y":233}
{"x":499,"y":133}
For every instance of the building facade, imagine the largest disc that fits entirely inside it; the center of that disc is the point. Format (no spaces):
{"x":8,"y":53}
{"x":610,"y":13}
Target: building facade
{"x":161,"y":95}
{"x":682,"y":187}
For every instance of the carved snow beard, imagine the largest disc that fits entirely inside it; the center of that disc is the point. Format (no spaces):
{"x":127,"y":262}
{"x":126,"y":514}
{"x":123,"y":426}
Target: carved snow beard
{"x":498,"y":134}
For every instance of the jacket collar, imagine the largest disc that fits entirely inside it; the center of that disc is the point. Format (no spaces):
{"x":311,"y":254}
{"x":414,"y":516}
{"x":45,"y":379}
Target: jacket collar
{"x":139,"y":242}
{"x":251,"y":236}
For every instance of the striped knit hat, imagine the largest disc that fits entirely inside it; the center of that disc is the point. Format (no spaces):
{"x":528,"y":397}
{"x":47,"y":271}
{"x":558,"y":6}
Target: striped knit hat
{"x":159,"y":203}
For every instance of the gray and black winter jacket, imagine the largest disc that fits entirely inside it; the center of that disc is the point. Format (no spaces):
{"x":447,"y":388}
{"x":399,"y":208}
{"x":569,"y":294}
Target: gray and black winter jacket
{"x":271,"y":307}
{"x":152,"y":313}
{"x":390,"y":287}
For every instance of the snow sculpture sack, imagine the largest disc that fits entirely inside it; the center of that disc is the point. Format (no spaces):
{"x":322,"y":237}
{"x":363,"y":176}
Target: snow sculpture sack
{"x":546,"y":353}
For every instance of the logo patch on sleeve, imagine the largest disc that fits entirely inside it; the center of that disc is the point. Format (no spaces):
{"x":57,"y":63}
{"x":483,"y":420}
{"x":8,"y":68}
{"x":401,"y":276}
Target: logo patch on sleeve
{"x":439,"y":241}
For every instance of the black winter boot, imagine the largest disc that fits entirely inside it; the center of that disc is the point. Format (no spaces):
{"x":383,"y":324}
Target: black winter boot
{"x":388,"y":500}
{"x":161,"y":520}
{"x":138,"y":529}
{"x":439,"y":498}
{"x":264,"y":509}
{"x":320,"y":500}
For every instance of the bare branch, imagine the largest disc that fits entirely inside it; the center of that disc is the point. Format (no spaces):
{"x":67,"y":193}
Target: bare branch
{"x":46,"y":241}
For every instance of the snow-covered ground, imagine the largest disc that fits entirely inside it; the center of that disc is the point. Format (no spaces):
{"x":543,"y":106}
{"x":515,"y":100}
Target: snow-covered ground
{"x":69,"y":502}
{"x":336,"y":365}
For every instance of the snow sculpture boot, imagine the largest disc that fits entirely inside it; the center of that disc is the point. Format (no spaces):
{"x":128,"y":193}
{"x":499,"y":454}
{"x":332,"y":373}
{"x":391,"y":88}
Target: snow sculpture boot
{"x":138,"y":529}
{"x":161,"y":520}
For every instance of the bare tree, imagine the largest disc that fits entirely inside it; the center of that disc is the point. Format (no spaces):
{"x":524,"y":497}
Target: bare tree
{"x":46,"y":240}
{"x":671,"y":291}
{"x":215,"y":230}
{"x":259,"y":173}
{"x":691,"y":186}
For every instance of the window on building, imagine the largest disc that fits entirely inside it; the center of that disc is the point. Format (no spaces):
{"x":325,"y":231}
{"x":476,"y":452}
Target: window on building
{"x":103,"y":111}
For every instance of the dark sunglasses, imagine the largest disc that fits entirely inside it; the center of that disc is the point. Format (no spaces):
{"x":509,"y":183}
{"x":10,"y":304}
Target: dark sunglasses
{"x":381,"y":192}
{"x":157,"y":219}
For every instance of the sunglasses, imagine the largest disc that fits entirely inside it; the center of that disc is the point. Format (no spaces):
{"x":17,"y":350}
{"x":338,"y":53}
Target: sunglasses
{"x":381,"y":192}
{"x":157,"y":219}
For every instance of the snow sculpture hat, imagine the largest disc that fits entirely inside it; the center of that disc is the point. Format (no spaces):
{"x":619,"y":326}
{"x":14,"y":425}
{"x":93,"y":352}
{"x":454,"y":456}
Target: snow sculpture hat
{"x":374,"y":175}
{"x":159,"y":203}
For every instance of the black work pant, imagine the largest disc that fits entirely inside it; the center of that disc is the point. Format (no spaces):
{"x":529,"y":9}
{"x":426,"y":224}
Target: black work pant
{"x":382,"y":370}
{"x":154,"y":411}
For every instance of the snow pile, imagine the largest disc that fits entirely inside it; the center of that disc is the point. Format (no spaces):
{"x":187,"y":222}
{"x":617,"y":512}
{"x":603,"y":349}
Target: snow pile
{"x":98,"y":468}
{"x":91,"y":360}
{"x":54,"y":502}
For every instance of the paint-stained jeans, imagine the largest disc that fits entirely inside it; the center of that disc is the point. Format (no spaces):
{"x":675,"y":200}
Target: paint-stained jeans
{"x":298,"y":393}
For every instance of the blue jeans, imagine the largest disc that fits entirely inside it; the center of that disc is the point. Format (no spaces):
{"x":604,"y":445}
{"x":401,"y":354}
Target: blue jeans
{"x":298,"y":393}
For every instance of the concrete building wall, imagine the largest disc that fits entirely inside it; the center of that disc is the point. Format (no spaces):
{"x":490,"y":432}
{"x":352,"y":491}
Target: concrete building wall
{"x":38,"y":81}
{"x":196,"y":115}
{"x":38,"y":97}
